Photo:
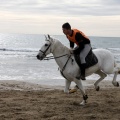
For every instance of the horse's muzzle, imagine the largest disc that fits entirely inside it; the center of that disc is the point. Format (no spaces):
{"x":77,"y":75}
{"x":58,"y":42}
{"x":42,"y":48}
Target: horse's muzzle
{"x":38,"y":57}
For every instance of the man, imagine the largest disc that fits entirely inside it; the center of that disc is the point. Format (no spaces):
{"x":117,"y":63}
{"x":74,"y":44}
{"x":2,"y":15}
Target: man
{"x":82,"y":42}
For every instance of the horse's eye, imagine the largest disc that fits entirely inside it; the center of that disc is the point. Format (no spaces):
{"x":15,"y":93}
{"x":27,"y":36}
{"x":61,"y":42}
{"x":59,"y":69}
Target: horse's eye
{"x":46,"y":45}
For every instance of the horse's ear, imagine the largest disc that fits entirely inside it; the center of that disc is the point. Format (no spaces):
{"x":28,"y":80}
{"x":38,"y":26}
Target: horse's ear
{"x":48,"y":36}
{"x":45,"y":37}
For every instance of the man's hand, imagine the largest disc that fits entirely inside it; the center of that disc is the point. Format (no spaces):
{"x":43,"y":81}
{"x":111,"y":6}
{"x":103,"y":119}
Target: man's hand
{"x":71,"y":50}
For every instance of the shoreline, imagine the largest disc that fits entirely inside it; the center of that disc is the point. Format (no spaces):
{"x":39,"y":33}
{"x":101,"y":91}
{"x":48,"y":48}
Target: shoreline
{"x":28,"y":86}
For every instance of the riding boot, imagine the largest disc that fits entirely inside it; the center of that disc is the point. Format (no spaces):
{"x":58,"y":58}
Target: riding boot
{"x":83,"y":67}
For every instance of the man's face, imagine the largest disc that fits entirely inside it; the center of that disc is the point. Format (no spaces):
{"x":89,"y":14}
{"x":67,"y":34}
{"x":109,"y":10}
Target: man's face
{"x":65,"y":31}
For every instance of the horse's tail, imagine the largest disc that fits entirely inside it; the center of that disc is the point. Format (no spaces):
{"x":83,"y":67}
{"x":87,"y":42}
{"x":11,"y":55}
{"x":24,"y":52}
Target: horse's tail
{"x":117,"y":67}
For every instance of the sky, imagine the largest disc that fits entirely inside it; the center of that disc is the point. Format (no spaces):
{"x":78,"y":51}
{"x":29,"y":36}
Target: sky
{"x":93,"y":17}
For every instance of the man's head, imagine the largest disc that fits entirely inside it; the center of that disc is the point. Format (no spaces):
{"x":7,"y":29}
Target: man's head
{"x":66,"y":29}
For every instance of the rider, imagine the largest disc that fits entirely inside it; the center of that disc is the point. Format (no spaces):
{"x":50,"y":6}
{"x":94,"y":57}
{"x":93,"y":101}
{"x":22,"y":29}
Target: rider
{"x":83,"y":44}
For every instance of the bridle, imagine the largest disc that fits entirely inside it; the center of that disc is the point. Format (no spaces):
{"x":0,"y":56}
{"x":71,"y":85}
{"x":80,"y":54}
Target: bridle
{"x":52,"y":57}
{"x":44,"y":52}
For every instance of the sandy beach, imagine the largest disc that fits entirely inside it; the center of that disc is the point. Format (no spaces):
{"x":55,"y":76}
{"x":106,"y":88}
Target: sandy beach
{"x":27,"y":101}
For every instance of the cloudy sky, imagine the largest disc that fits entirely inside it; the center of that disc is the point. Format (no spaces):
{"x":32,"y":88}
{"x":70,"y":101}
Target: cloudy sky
{"x":93,"y":17}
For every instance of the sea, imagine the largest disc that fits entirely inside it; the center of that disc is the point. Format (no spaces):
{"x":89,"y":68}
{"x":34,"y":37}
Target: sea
{"x":18,"y":58}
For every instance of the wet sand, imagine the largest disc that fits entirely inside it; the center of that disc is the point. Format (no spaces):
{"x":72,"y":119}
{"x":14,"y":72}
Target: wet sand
{"x":26,"y":101}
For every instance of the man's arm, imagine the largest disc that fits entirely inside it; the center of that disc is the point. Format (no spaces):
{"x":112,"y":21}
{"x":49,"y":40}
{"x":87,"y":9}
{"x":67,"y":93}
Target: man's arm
{"x":79,"y":38}
{"x":71,"y":44}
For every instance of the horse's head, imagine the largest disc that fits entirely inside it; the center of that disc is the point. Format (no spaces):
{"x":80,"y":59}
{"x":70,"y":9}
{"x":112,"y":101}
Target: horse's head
{"x":46,"y":48}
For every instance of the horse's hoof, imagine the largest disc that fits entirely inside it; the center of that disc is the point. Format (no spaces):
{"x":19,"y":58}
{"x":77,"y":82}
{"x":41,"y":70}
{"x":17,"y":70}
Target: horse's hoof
{"x":98,"y":88}
{"x":83,"y":103}
{"x":117,"y":84}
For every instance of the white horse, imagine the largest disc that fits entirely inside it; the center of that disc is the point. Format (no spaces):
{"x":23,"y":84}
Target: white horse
{"x":70,"y":70}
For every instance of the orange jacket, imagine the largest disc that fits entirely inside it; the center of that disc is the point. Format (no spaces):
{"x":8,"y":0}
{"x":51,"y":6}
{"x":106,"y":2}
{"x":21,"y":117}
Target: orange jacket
{"x":72,"y":38}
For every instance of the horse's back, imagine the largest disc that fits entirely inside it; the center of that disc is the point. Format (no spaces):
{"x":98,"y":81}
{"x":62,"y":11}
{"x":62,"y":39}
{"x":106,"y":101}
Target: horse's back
{"x":105,"y":60}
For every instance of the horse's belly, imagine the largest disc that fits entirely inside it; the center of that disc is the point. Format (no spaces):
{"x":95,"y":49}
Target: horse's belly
{"x":105,"y":60}
{"x":92,"y":69}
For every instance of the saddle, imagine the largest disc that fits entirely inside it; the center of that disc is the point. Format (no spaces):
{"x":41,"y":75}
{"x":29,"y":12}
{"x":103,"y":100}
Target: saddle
{"x":91,"y":59}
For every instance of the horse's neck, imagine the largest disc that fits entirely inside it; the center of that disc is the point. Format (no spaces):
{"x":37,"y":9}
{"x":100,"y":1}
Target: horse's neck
{"x":60,"y":50}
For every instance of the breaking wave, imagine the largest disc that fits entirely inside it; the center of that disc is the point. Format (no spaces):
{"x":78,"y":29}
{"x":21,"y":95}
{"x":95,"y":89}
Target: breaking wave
{"x":18,"y":50}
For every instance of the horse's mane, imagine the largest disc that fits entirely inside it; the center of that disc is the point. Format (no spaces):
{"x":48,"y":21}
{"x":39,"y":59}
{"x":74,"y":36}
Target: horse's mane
{"x":65,"y":48}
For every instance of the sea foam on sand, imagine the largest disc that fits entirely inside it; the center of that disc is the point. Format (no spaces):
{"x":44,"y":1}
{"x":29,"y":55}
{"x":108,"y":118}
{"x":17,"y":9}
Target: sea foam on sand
{"x":20,"y":85}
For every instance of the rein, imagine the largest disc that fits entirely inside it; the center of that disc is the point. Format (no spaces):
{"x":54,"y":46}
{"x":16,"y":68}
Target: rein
{"x":52,"y":57}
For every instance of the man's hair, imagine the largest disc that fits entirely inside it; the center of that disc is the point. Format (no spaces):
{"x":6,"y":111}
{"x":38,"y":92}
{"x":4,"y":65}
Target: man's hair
{"x":66,"y":26}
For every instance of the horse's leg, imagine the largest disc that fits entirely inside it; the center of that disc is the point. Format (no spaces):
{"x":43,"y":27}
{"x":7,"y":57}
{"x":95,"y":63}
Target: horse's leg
{"x":102,"y":76}
{"x":114,"y":82}
{"x":67,"y":83}
{"x":67,"y":86}
{"x":80,"y":86}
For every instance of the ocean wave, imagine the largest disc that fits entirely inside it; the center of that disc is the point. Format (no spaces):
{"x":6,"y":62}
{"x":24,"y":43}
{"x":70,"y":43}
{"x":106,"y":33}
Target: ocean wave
{"x":114,"y":49}
{"x":18,"y":50}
